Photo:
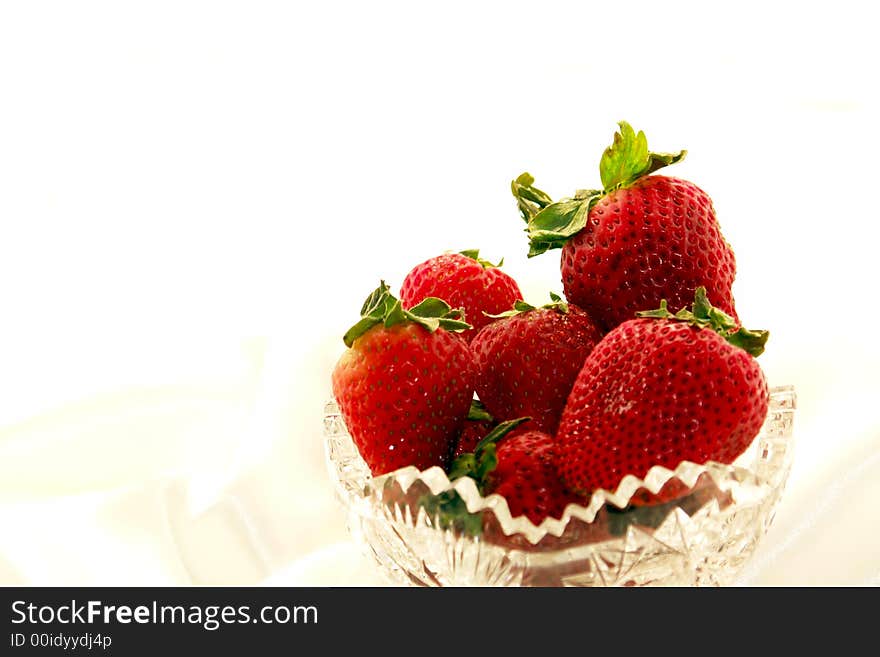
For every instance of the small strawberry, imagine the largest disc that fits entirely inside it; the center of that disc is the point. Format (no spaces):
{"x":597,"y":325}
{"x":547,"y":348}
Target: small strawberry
{"x":659,"y":390}
{"x":527,"y":478}
{"x":463,"y":280}
{"x":640,"y":239}
{"x":528,"y":360}
{"x":405,"y":384}
{"x":518,"y":465}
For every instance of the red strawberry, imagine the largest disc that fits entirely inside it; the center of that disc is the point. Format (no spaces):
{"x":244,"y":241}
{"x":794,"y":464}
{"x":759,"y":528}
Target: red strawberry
{"x":465,"y":281}
{"x":519,"y":466}
{"x":528,"y":361}
{"x":640,"y":239}
{"x":405,"y":384}
{"x":659,"y":390}
{"x":527,"y":478}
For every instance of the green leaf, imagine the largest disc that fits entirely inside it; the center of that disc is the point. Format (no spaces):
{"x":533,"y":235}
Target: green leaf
{"x":381,"y":307}
{"x":529,"y":199}
{"x":702,"y":309}
{"x":752,"y":341}
{"x":657,"y":161}
{"x":434,"y":313}
{"x":625,"y":158}
{"x":453,"y":325}
{"x":450,"y":512}
{"x":660,"y":313}
{"x":520,"y":306}
{"x":628,"y":158}
{"x":373,"y":311}
{"x":462,"y":466}
{"x":478,"y":412}
{"x":474,"y":254}
{"x":703,"y":314}
{"x":478,"y":464}
{"x":498,"y":433}
{"x":362,"y":326}
{"x":431,"y":307}
{"x":557,"y":304}
{"x":397,"y":315}
{"x":553,"y":226}
{"x":375,"y":300}
{"x":486,"y":463}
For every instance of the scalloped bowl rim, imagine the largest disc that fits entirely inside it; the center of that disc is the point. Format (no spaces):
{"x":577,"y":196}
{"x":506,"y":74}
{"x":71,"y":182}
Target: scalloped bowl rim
{"x":725,"y":476}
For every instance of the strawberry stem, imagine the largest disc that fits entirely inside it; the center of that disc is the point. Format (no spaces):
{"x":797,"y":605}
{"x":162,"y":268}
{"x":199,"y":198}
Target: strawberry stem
{"x":704,"y":315}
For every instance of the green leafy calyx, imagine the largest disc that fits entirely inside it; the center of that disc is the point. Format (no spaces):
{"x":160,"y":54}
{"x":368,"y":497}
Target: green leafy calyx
{"x":478,"y":464}
{"x":448,"y":509}
{"x":474,"y":254}
{"x":554,"y":225}
{"x":704,"y":315}
{"x":529,"y":199}
{"x":627,"y":159}
{"x":381,"y":307}
{"x":520,"y":306}
{"x":550,"y":225}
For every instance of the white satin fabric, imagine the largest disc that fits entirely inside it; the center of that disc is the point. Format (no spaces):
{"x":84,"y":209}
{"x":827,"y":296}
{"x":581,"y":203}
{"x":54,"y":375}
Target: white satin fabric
{"x":218,"y":478}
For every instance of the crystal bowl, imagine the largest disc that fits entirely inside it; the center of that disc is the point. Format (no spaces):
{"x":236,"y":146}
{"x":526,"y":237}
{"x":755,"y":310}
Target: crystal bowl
{"x":702,"y":537}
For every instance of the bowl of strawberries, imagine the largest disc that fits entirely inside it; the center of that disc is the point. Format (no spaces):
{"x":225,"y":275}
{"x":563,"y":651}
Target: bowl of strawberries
{"x":623,"y":434}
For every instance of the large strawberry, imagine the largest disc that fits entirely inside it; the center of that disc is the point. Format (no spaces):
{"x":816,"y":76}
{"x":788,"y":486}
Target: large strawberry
{"x":659,"y":390}
{"x":463,"y":280}
{"x":528,"y":360}
{"x":639,"y":239}
{"x":520,"y":466}
{"x":405,"y":384}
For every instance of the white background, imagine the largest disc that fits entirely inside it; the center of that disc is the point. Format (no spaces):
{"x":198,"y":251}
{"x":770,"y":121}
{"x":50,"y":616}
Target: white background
{"x":196,"y":197}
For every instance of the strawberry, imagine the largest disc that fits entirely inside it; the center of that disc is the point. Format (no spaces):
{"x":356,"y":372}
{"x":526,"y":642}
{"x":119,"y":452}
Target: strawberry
{"x":405,"y":384}
{"x":464,"y":281}
{"x":661,"y":389}
{"x":526,"y":477}
{"x":640,"y":239}
{"x":519,"y":465}
{"x":528,"y":360}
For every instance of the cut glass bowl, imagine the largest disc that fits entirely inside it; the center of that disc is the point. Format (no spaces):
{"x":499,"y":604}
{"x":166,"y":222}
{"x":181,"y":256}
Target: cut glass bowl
{"x":703,"y":537}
